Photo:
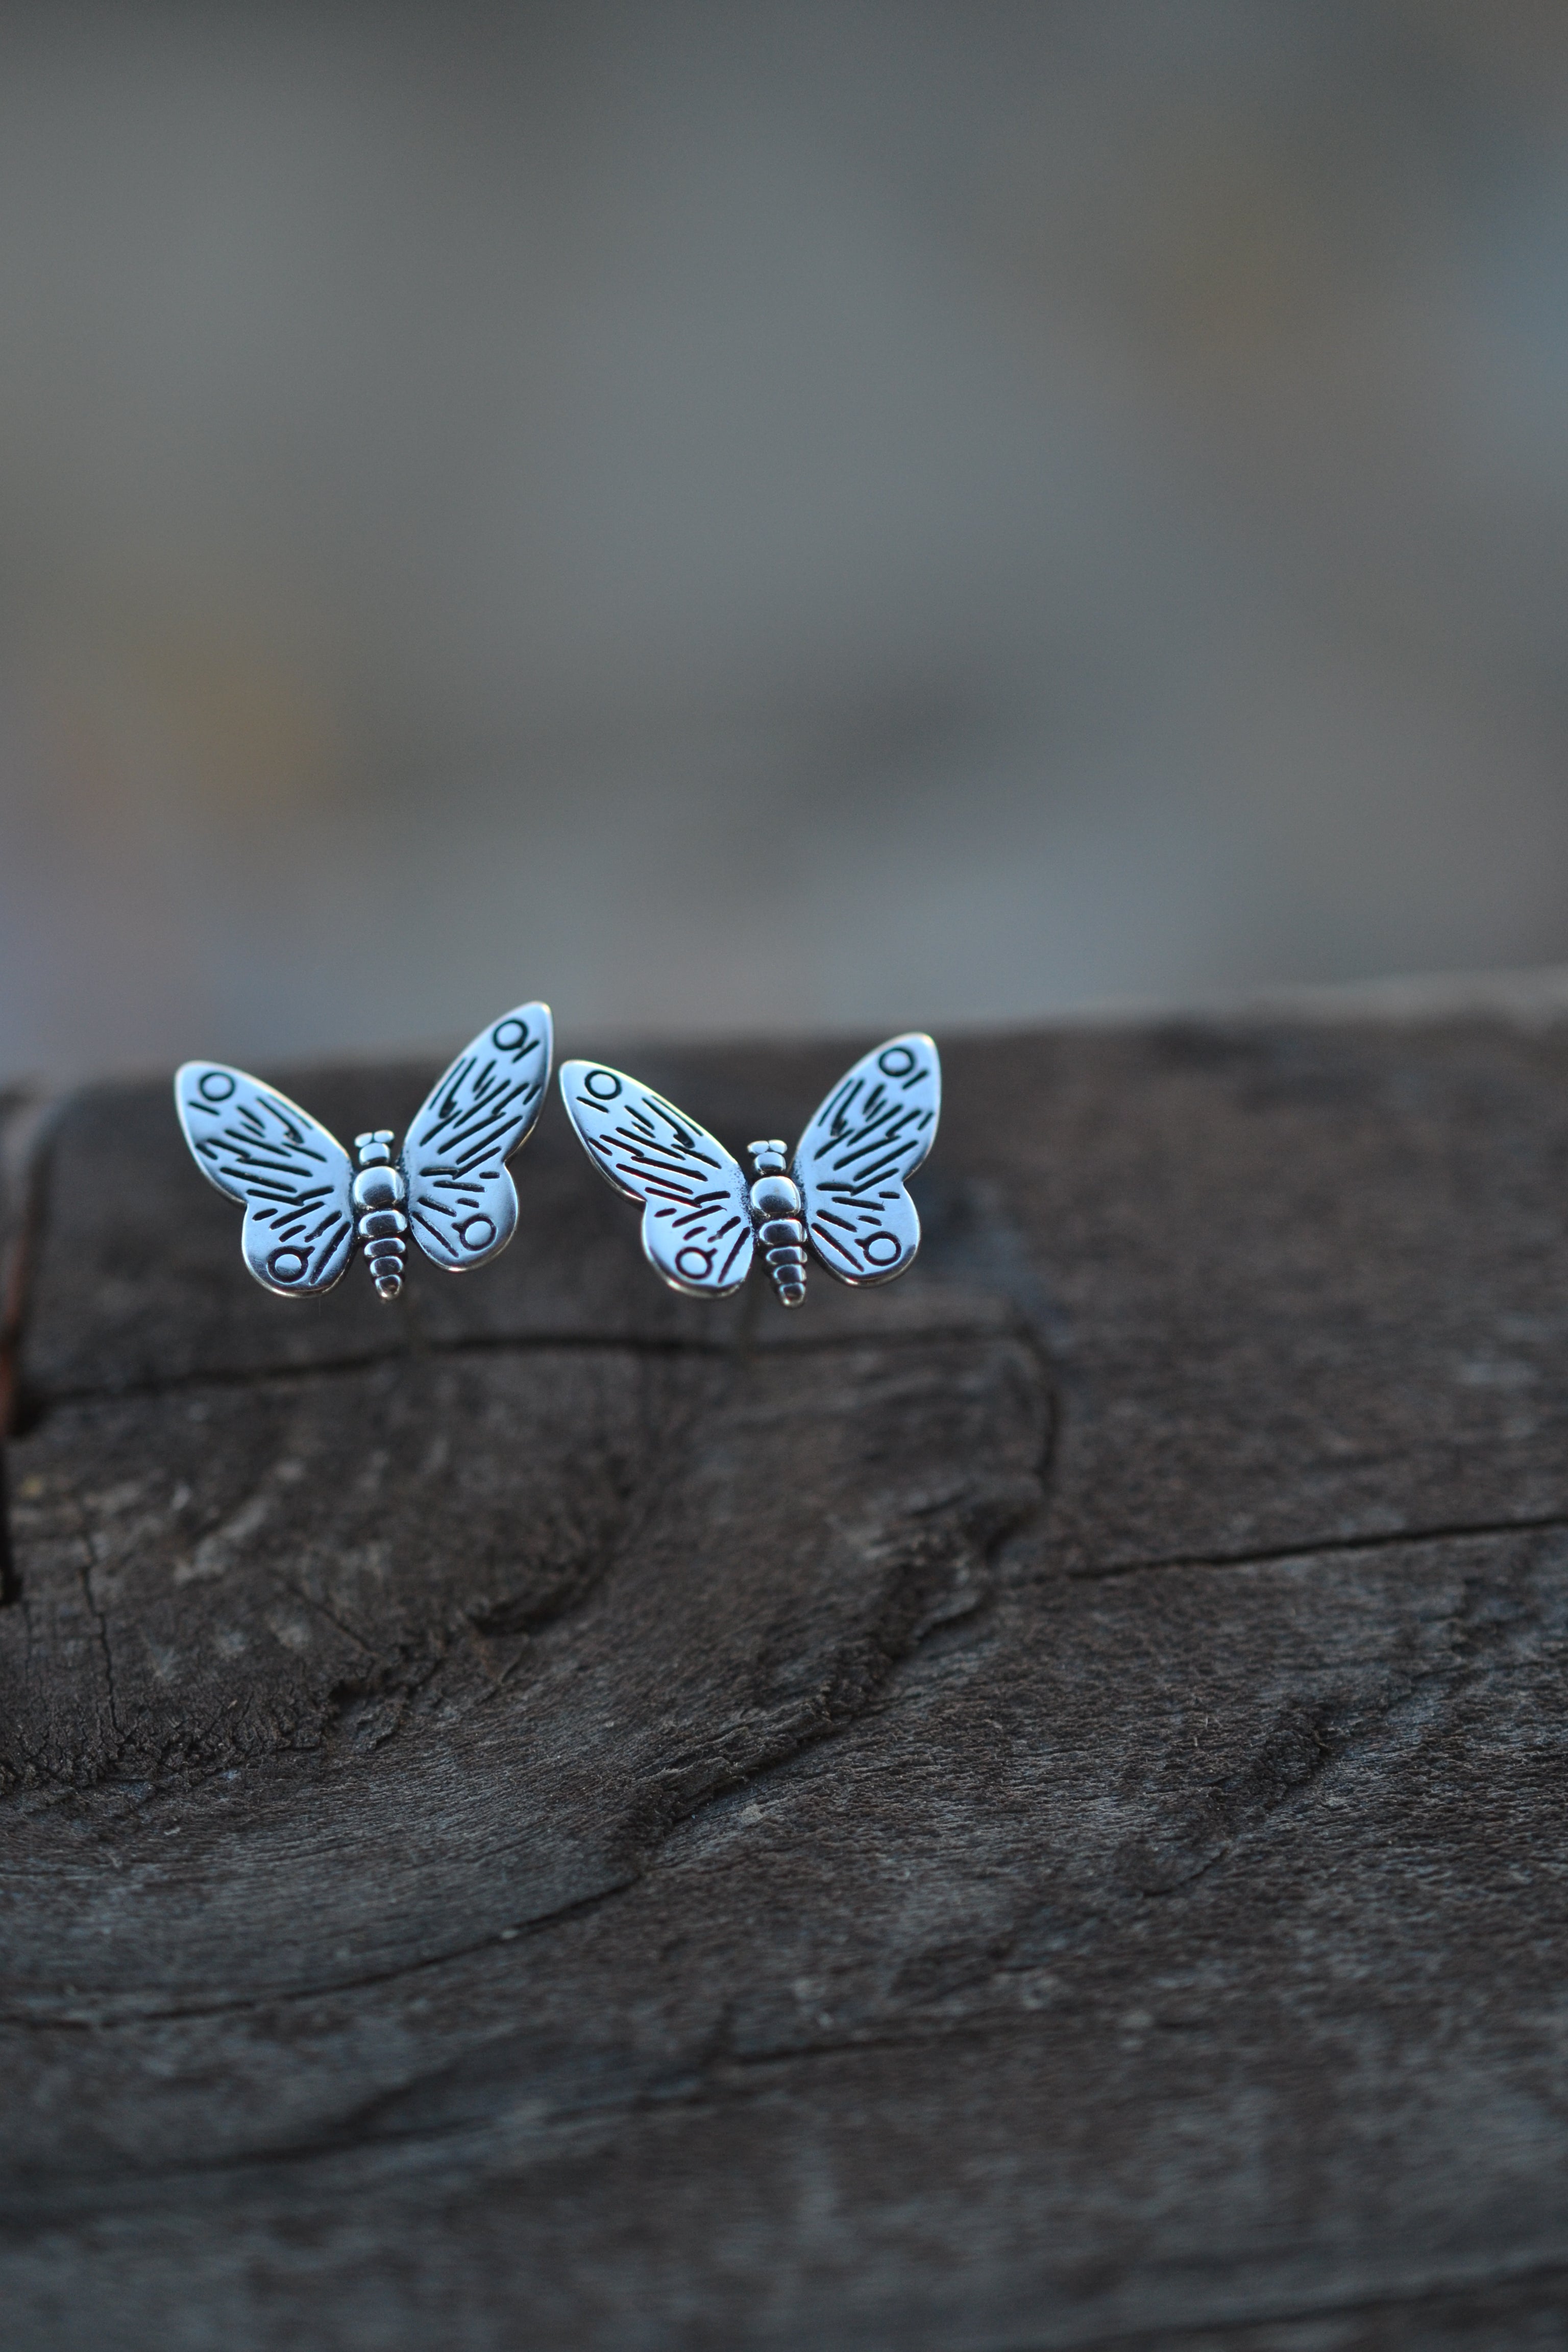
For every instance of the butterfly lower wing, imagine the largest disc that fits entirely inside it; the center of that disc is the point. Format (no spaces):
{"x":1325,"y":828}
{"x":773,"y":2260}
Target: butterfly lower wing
{"x":861,"y":1147}
{"x":462,"y":1204}
{"x":293,"y":1178}
{"x":696,"y":1217}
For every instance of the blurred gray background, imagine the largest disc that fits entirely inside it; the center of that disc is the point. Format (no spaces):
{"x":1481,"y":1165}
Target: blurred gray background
{"x":771,"y":517}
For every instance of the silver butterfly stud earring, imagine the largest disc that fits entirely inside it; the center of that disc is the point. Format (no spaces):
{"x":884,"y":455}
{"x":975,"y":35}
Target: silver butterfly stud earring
{"x":703,"y":1217}
{"x":307,"y":1207}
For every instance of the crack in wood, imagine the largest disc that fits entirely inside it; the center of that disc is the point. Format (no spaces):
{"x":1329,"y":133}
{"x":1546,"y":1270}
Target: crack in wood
{"x":1324,"y":1547}
{"x":1494,"y":2293}
{"x":501,"y":1343}
{"x":25,"y":1132}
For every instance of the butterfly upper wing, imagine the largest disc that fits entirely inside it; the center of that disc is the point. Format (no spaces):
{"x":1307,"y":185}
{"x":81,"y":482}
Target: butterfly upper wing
{"x":696,"y":1217}
{"x":855,"y":1158}
{"x":462,"y":1204}
{"x":293,"y":1177}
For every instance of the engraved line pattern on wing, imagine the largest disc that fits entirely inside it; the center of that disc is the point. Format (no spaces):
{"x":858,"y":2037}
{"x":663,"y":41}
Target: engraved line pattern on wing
{"x":697,"y":1225}
{"x":869,"y":1135}
{"x":292,"y":1175}
{"x":481,"y":1107}
{"x":671,"y":1172}
{"x":462,"y":1203}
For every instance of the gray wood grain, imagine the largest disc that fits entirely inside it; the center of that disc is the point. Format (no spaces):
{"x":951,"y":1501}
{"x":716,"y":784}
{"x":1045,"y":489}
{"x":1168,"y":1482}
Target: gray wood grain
{"x":1022,"y":1809}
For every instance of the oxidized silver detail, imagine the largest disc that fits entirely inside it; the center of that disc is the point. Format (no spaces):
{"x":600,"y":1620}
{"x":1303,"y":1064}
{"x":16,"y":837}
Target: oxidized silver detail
{"x":381,"y":1222}
{"x":776,"y":1204}
{"x":703,"y":1220}
{"x":379,"y":1188}
{"x":306,"y":1204}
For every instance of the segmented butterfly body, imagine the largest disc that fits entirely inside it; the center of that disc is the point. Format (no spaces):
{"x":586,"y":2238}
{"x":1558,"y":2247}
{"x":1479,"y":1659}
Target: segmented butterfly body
{"x":843,"y":1195}
{"x":777,"y":1227}
{"x":307,"y":1207}
{"x":379,"y":1192}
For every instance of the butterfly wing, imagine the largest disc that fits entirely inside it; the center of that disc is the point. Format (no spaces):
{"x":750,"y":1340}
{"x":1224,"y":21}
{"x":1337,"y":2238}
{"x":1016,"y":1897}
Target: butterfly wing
{"x":293,"y":1178}
{"x":462,"y":1204}
{"x":855,"y":1158}
{"x":696,"y":1217}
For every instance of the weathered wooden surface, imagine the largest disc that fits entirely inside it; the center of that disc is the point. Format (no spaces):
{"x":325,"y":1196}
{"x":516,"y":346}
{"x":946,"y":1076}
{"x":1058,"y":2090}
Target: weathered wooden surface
{"x":1022,"y":1809}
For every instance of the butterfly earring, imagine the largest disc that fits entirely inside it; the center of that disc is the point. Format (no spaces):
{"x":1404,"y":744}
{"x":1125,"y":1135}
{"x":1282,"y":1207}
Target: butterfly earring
{"x":306,"y":1205}
{"x":703,"y":1217}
